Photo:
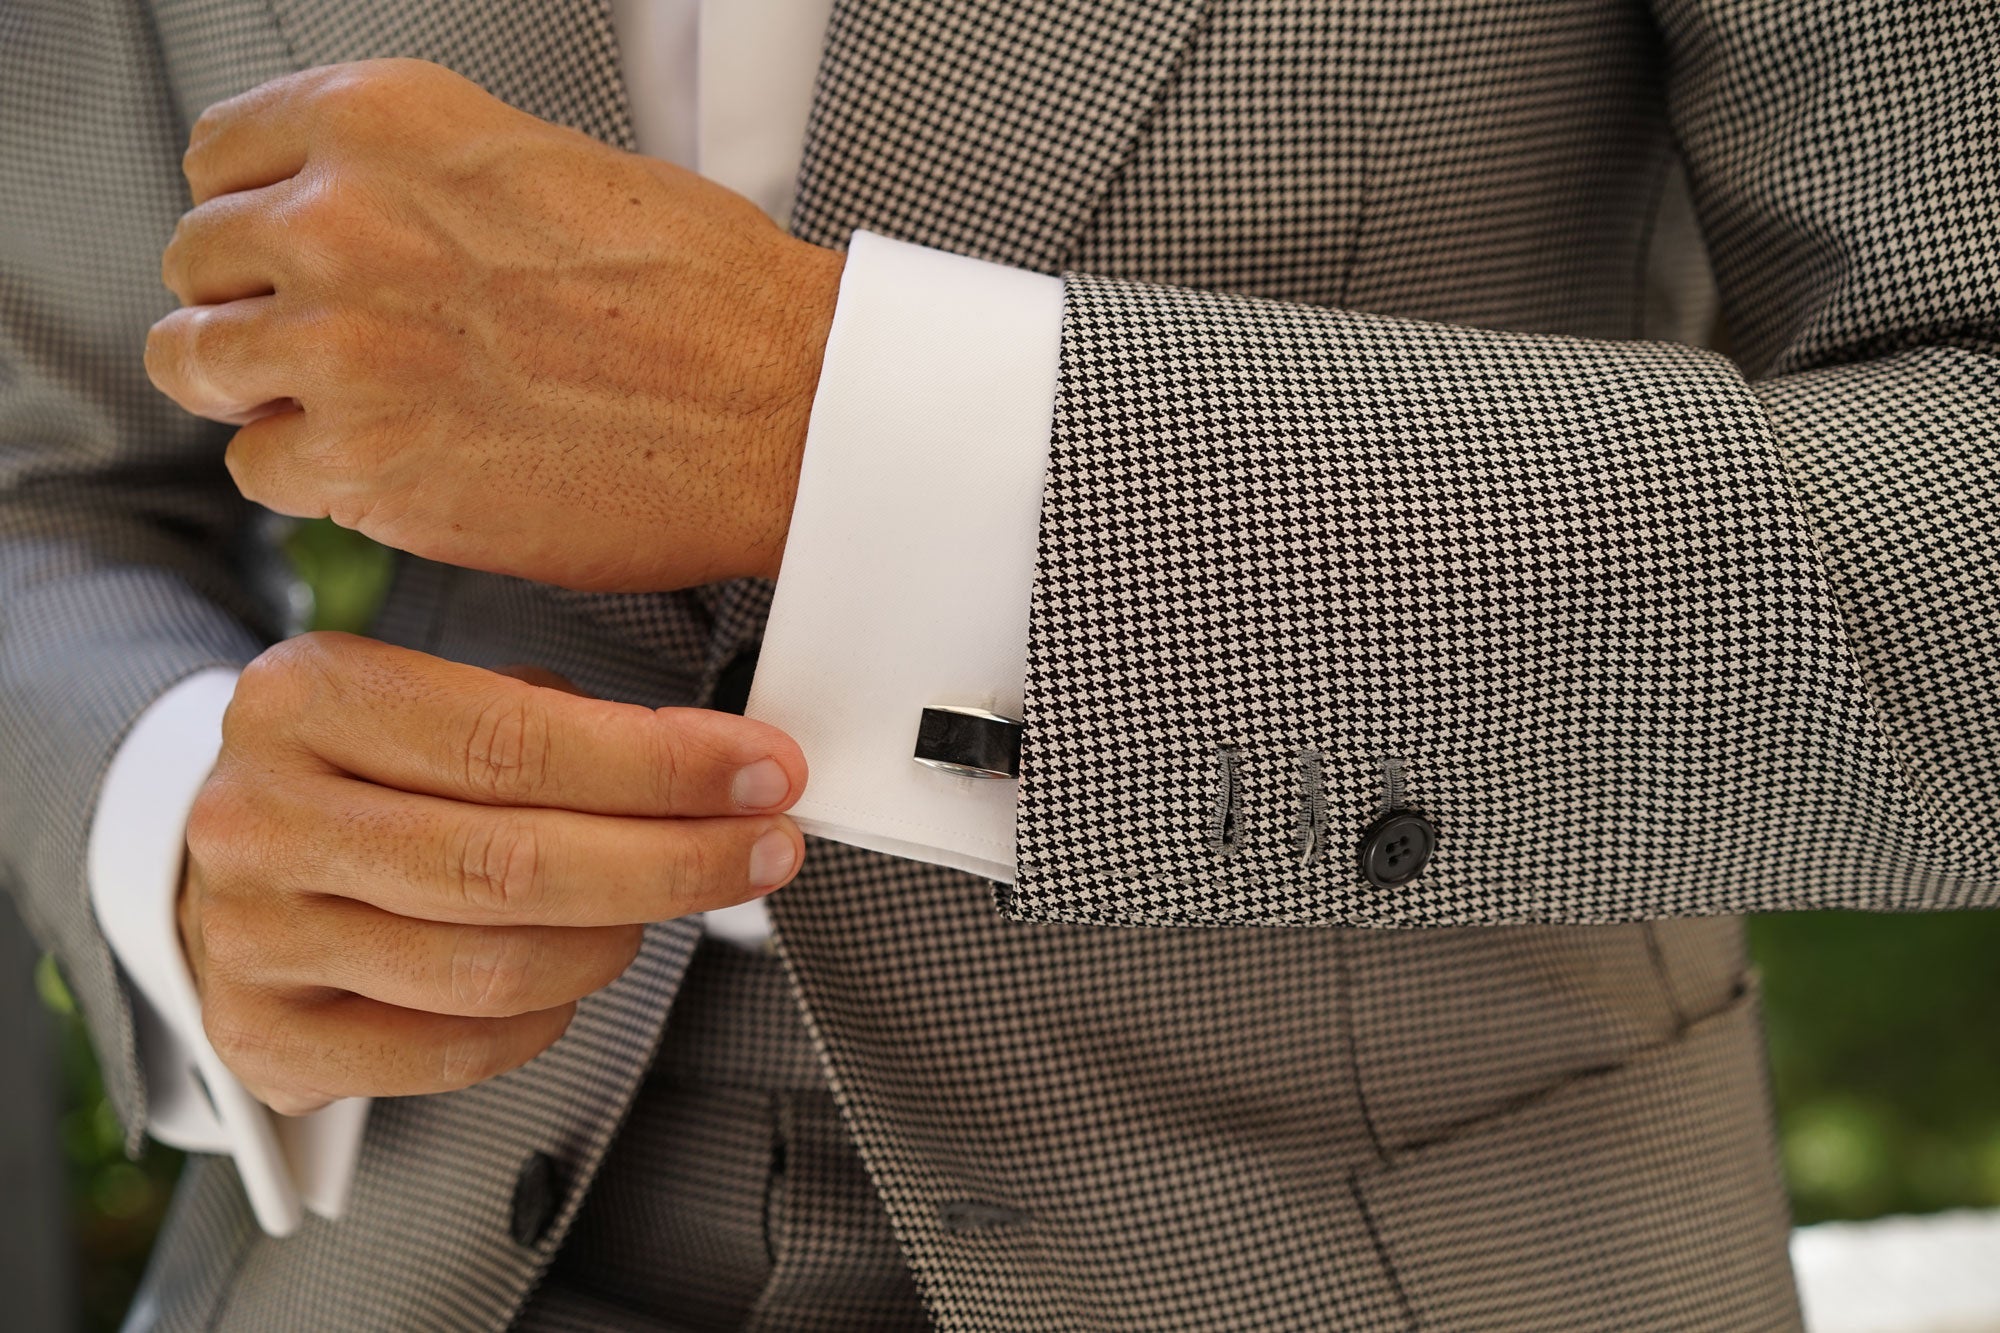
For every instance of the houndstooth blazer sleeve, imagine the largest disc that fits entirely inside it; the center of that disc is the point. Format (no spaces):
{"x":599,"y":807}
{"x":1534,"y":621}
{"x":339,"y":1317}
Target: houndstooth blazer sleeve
{"x":1642,"y":632}
{"x":115,"y":509}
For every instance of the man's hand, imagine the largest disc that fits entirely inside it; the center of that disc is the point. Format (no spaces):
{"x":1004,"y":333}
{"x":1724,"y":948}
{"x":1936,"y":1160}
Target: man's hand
{"x":489,"y":340}
{"x":404,"y":872}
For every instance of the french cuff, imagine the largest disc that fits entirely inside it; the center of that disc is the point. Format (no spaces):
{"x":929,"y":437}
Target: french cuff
{"x":133,"y":865}
{"x":911,"y":558}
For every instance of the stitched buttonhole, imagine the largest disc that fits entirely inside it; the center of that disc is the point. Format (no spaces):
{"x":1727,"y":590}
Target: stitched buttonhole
{"x":1395,"y":782}
{"x":1226,"y":800}
{"x":1312,"y":806}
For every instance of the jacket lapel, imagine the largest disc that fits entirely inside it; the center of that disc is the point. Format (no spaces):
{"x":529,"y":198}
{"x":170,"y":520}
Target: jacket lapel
{"x":557,"y":59}
{"x":985,"y":127}
{"x":988,"y":128}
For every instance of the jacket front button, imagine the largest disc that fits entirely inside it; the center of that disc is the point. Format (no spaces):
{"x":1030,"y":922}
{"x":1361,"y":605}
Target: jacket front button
{"x":538,"y":1196}
{"x":1396,"y":847}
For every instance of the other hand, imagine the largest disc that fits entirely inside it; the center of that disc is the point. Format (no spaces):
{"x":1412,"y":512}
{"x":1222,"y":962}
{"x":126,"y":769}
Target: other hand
{"x":404,"y":872}
{"x":490,"y":340}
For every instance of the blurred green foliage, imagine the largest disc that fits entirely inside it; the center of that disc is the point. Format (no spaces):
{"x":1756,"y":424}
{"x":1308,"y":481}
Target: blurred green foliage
{"x":1885,"y":1059}
{"x":345,"y":573}
{"x":115,"y":1204}
{"x":1884,"y":1043}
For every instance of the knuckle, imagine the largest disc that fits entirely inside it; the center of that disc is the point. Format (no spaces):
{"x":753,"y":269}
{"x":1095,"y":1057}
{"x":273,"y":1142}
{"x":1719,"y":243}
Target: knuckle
{"x":229,"y":945}
{"x":313,"y":209}
{"x":229,"y":838}
{"x":479,"y":1049}
{"x":173,"y":260}
{"x":320,"y":230}
{"x":258,"y":1043}
{"x":215,"y":820}
{"x":498,"y":866}
{"x":348,"y":89}
{"x":269,"y":684}
{"x":362,"y":96}
{"x":701,"y":865}
{"x":200,"y":232}
{"x":506,"y":750}
{"x":166,"y":353}
{"x":666,"y":759}
{"x":290,"y":680}
{"x":245,"y":474}
{"x":311,"y":661}
{"x":240,"y":1032}
{"x":205,"y":126}
{"x":255,"y":705}
{"x":472,"y":1054}
{"x":410,"y":69}
{"x":264,"y":674}
{"x":492,"y":973}
{"x":208,"y":344}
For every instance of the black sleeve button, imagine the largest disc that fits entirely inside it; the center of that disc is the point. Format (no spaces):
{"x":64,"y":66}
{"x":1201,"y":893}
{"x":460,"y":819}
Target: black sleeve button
{"x":1396,"y":847}
{"x":538,"y":1196}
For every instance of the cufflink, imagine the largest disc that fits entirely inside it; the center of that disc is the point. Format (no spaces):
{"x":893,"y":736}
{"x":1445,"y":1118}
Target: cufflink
{"x":969,"y":741}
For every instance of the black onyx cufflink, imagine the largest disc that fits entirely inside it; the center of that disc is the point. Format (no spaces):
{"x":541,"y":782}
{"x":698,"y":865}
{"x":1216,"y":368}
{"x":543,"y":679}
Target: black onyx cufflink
{"x":970,"y":741}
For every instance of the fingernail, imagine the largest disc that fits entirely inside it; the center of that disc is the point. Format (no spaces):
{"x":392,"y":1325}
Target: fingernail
{"x":771,"y":859}
{"x":761,"y":785}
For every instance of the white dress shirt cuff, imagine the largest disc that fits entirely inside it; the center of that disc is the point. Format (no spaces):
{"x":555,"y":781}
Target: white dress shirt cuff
{"x":136,"y":848}
{"x":911,"y":557}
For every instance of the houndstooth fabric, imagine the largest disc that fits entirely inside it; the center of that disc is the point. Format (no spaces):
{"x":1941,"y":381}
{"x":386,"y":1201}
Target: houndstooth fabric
{"x":733,"y":1198}
{"x":1647,"y":639}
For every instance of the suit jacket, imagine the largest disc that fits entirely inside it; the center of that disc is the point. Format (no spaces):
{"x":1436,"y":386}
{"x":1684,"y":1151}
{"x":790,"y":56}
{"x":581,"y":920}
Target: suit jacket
{"x":1654,"y":638}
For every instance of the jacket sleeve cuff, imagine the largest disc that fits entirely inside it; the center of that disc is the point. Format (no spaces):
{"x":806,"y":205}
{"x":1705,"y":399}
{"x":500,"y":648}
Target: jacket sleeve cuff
{"x":911,"y":557}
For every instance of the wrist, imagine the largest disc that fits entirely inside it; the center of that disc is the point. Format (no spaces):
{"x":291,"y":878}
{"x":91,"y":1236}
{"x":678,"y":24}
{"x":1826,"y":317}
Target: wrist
{"x":814,"y":280}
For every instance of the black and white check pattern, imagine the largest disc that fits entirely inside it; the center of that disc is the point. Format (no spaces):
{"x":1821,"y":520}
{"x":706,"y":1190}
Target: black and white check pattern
{"x":1651,"y":642}
{"x":733,"y":1197}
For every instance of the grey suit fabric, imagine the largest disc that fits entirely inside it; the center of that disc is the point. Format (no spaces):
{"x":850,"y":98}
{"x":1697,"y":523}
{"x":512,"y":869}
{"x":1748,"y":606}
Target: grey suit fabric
{"x":733,"y":1197}
{"x":1652,"y":642}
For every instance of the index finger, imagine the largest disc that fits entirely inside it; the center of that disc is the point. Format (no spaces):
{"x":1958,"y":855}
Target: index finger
{"x":418,"y":723}
{"x":253,"y":139}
